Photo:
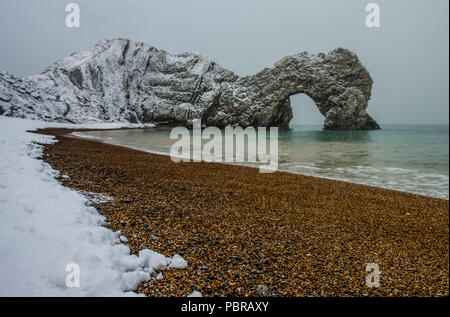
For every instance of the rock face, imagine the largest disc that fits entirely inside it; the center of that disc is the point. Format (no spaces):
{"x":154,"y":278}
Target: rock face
{"x":125,"y":81}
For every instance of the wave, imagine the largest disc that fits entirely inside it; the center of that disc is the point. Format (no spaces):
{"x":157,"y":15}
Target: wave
{"x":395,"y":178}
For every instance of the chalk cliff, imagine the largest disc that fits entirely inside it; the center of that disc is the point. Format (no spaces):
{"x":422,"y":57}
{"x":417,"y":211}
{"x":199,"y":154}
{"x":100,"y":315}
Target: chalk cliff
{"x":125,"y":81}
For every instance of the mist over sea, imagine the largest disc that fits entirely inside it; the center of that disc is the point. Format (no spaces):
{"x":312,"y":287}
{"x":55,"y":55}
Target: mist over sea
{"x":410,"y":158}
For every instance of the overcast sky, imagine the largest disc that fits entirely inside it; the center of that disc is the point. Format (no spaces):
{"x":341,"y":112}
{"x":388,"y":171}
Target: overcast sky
{"x":407,"y":56}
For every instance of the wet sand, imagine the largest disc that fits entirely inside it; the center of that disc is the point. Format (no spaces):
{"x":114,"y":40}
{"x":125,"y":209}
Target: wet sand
{"x":238,"y":228}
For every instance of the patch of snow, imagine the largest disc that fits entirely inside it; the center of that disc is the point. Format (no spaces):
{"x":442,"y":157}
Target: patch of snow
{"x":95,"y":198}
{"x":45,"y":226}
{"x":154,"y":260}
{"x":195,"y":294}
{"x":178,"y":262}
{"x":131,"y":280}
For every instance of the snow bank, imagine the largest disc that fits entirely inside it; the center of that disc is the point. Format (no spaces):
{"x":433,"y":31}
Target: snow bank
{"x":45,"y":226}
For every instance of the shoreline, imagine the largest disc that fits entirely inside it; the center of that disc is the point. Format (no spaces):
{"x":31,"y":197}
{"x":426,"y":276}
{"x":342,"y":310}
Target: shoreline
{"x":71,"y":132}
{"x":298,"y":235}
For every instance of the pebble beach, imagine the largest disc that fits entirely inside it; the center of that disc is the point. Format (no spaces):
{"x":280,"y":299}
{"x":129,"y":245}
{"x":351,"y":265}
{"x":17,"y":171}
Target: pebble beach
{"x":244,"y":233}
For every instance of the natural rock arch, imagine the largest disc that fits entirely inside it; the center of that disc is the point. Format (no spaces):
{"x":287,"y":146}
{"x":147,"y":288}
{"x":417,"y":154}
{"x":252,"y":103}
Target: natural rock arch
{"x":337,"y":83}
{"x":123,"y":80}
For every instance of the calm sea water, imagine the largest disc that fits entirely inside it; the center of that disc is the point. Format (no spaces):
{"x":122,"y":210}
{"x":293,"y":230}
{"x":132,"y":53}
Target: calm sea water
{"x":411,"y":158}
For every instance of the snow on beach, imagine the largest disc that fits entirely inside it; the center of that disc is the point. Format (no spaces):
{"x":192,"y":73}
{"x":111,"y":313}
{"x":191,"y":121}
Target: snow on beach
{"x":45,"y":226}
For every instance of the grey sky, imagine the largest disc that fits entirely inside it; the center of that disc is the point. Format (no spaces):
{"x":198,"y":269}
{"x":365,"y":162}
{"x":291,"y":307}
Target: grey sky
{"x":407,"y":56}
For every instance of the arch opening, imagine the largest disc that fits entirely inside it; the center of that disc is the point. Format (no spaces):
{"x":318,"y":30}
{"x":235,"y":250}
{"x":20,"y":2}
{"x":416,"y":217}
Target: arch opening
{"x":304,"y":111}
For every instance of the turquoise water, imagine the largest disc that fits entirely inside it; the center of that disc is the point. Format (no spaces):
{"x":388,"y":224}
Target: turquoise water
{"x":411,"y":158}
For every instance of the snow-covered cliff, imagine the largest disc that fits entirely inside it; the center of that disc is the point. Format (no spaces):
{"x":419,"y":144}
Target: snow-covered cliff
{"x":125,"y":81}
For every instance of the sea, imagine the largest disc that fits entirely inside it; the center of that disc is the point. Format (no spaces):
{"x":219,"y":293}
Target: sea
{"x":409,"y":158}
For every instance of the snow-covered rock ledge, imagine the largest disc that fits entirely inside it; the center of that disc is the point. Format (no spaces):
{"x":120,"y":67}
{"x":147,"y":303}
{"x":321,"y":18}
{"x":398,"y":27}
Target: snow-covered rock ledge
{"x":45,"y":226}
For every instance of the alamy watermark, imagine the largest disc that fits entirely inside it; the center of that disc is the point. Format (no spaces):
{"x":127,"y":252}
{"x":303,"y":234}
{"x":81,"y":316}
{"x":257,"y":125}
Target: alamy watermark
{"x":73,"y":16}
{"x":73,"y":278}
{"x":189,"y":147}
{"x":373,"y":278}
{"x":373,"y":18}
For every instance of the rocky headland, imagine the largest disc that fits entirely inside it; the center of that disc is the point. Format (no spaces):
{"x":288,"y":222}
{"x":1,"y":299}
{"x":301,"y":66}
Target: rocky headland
{"x":125,"y":81}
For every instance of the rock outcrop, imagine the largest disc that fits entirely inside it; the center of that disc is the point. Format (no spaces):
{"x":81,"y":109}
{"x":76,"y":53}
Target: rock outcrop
{"x":125,"y":81}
